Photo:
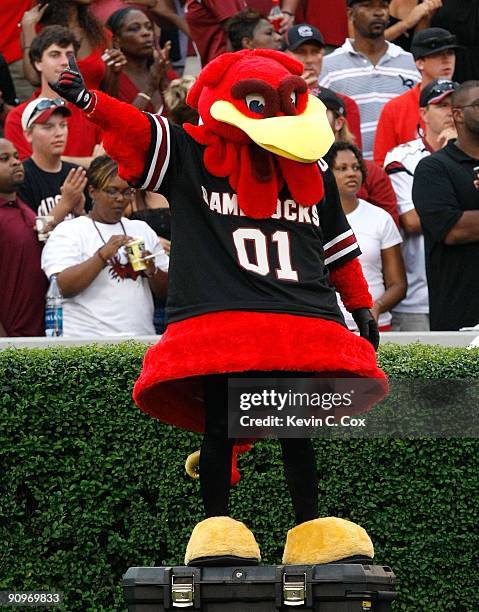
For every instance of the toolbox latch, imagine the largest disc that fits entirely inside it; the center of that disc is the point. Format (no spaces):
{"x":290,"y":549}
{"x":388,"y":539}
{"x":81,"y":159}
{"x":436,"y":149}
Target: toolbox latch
{"x":294,"y":590}
{"x":182,"y":593}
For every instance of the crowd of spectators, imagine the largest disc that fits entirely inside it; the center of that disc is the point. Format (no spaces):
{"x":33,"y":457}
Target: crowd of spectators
{"x":400,"y":82}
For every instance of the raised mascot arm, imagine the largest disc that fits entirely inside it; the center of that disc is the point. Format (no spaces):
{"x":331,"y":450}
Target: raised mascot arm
{"x":126,"y":130}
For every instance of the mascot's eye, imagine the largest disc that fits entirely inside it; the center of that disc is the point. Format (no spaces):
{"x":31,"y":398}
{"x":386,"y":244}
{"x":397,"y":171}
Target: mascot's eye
{"x":255,"y":103}
{"x":293,"y":97}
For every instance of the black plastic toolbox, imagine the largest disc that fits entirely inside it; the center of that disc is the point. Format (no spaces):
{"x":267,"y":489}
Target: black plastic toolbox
{"x":334,"y":587}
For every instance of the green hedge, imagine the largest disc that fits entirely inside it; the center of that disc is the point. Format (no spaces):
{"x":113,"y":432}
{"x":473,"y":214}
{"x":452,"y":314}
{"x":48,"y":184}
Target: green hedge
{"x":90,"y":486}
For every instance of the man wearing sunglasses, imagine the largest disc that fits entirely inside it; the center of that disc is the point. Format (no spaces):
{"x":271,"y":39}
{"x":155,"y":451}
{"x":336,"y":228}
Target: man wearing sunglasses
{"x":49,"y":53}
{"x":434,"y":51}
{"x":412,"y":313}
{"x":447,"y":201}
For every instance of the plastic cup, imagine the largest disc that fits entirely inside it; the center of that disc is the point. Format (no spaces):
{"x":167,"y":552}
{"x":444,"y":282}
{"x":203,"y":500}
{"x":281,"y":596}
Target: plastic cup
{"x":41,"y":225}
{"x":136,"y":252}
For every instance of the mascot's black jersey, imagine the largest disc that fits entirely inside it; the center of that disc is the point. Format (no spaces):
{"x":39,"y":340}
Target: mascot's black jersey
{"x":223,"y":260}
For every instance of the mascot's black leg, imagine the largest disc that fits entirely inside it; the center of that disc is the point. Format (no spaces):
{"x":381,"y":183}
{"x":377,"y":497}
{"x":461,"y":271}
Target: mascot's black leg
{"x":301,"y":477}
{"x":219,"y":539}
{"x":216,"y":449}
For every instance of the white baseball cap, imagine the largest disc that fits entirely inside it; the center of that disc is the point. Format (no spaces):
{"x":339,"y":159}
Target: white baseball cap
{"x":40,"y":110}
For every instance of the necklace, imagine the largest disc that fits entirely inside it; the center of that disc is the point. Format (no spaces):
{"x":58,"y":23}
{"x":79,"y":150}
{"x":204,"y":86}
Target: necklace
{"x":118,"y":270}
{"x":98,"y":229}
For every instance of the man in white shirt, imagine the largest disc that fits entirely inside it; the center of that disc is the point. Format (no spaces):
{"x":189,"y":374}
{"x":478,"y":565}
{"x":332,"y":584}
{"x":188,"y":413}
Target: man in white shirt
{"x":412,"y":314}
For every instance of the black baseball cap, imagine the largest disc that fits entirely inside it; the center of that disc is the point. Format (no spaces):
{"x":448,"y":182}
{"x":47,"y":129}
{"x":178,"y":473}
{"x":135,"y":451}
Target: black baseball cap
{"x":303,"y":33}
{"x":330,"y":100}
{"x":436,"y":91}
{"x":432,"y":40}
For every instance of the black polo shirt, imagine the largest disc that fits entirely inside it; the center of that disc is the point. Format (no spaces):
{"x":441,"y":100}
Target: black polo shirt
{"x":443,"y":189}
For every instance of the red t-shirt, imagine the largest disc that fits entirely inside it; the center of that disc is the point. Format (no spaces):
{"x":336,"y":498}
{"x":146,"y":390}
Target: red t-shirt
{"x":353,"y":118}
{"x":329,"y":16}
{"x":102,"y":9}
{"x":262,"y":7}
{"x":82,"y":134}
{"x":127,"y":90}
{"x":10,"y":16}
{"x":205,"y":20}
{"x":23,"y":284}
{"x":378,"y":190}
{"x":397,"y":123}
{"x":92,"y":67}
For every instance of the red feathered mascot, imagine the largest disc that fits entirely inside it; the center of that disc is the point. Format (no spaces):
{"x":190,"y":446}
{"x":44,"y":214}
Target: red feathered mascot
{"x":260,"y":245}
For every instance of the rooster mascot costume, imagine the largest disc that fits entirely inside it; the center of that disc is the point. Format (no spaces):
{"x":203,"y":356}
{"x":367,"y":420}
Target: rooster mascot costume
{"x":260,"y":245}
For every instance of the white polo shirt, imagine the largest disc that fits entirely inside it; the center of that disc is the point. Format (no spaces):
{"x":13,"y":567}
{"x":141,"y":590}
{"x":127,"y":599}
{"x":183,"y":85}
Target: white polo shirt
{"x":371,"y":86}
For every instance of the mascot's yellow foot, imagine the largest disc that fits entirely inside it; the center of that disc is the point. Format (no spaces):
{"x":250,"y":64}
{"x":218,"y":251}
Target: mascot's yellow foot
{"x":220,"y":540}
{"x":325,"y":540}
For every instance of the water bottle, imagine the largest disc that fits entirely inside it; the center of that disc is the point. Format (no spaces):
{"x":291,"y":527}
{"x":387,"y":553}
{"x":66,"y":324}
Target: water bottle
{"x":54,"y":309}
{"x":275,"y":16}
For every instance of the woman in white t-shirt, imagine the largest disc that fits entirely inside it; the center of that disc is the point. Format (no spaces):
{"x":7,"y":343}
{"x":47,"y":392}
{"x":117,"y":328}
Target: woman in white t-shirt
{"x":376,"y":233}
{"x":103,"y":295}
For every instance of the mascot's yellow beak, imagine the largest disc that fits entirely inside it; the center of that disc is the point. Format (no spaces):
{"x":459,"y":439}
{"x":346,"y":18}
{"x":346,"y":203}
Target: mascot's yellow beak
{"x":303,"y":138}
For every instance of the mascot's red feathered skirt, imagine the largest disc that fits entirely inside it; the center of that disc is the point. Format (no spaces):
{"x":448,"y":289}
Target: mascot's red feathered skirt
{"x":169,"y":387}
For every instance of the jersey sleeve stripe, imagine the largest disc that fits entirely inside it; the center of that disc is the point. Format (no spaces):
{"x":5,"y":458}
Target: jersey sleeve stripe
{"x":343,"y":253}
{"x":395,"y":167}
{"x":337,"y":239}
{"x":159,"y":154}
{"x":164,"y":154}
{"x":339,"y":246}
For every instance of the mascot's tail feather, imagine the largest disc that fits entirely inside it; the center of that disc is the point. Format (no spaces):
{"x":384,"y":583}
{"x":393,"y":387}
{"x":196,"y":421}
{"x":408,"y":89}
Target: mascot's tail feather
{"x":193,"y":460}
{"x":238,"y":449}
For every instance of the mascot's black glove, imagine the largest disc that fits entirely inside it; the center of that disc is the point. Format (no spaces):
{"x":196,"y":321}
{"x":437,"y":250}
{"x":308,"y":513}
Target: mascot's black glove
{"x":71,"y":85}
{"x":368,"y":328}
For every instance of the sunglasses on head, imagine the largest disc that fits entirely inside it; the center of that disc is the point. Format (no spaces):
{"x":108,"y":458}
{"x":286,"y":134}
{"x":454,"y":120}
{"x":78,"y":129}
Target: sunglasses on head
{"x":51,"y":103}
{"x":441,"y":88}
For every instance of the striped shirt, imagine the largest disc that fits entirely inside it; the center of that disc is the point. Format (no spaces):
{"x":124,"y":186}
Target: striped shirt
{"x":351,"y":73}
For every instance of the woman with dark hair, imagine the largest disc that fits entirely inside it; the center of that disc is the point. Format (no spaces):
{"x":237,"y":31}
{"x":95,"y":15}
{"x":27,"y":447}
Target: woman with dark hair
{"x":146,"y":72}
{"x":376,"y":233}
{"x":104,"y":294}
{"x":94,"y":40}
{"x":250,"y":30}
